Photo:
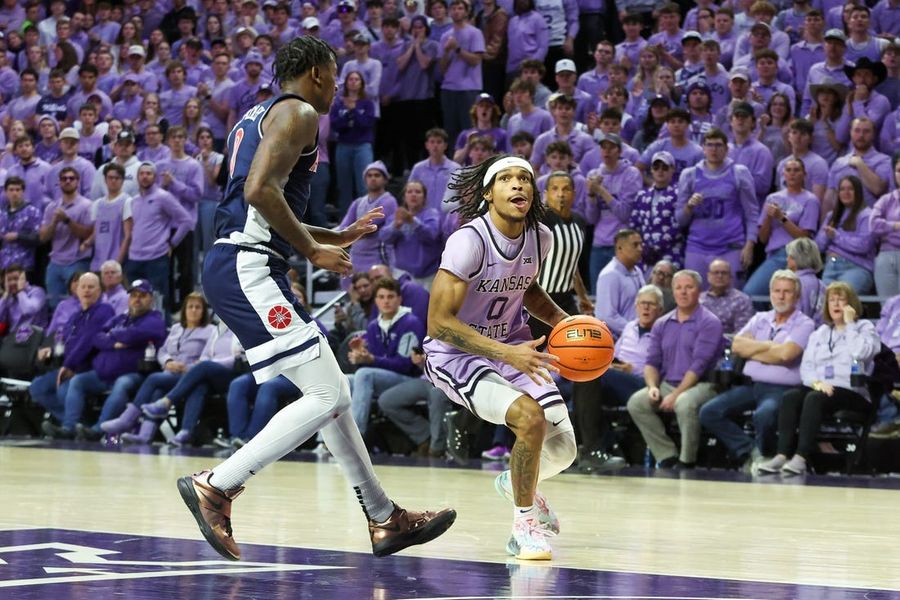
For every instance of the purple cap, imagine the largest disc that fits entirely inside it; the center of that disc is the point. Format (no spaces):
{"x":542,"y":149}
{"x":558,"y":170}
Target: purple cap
{"x":378,"y":166}
{"x":141,"y":285}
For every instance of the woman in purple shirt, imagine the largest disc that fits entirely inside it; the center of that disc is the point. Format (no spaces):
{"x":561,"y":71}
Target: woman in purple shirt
{"x":353,"y":122}
{"x":787,"y":215}
{"x":486,"y":122}
{"x":831,"y":124}
{"x":886,"y":226}
{"x":846,"y":240}
{"x":415,"y":234}
{"x":773,"y":127}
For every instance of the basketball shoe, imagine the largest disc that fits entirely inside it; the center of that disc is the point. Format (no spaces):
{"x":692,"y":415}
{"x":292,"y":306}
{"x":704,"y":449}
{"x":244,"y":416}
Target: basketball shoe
{"x":211,"y":508}
{"x":406,"y":528}
{"x":546,"y":517}
{"x":529,"y":540}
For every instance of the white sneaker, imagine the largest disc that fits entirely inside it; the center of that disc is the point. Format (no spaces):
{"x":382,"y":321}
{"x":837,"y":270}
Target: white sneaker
{"x":546,"y":516}
{"x":772,"y":466}
{"x":529,"y":541}
{"x":795,"y":466}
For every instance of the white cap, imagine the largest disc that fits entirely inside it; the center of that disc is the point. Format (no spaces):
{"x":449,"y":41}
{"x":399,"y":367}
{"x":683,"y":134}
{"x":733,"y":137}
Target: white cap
{"x":565,"y":64}
{"x":136,"y":49}
{"x":310,"y":23}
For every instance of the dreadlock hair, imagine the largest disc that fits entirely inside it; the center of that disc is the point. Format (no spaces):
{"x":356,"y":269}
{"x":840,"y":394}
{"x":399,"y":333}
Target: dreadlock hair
{"x":300,"y":55}
{"x":470,"y":192}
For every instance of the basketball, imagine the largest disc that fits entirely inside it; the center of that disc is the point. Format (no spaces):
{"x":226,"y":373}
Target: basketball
{"x":584,"y":346}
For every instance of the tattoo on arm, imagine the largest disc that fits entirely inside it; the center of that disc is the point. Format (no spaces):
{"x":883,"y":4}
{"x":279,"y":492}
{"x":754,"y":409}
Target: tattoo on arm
{"x":466,"y":343}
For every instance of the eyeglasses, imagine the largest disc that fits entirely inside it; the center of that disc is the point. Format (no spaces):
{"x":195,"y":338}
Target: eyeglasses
{"x":647,"y":304}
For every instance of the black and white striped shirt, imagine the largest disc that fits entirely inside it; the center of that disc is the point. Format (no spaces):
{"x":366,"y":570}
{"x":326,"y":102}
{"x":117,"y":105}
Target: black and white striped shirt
{"x":559,"y":267}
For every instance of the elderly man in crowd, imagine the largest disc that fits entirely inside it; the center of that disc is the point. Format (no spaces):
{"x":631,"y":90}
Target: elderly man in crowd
{"x":119,"y":345}
{"x":683,"y":347}
{"x":772,"y":344}
{"x":732,"y":306}
{"x":49,"y":390}
{"x":617,"y":385}
{"x":114,"y":293}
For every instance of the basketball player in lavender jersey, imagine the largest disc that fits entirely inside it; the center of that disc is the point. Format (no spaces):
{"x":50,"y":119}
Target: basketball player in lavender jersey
{"x":480,"y":351}
{"x":272,"y":156}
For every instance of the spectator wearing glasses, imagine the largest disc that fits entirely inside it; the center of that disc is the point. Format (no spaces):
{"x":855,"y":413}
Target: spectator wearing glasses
{"x":732,"y":307}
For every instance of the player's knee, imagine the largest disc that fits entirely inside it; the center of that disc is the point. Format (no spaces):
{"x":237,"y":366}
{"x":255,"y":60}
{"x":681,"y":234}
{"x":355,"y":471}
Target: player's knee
{"x":526,"y":417}
{"x":568,"y":449}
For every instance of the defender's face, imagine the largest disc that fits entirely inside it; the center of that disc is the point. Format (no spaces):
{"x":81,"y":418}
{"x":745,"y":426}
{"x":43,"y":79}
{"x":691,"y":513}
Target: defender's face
{"x":512,"y":193}
{"x":328,"y":89}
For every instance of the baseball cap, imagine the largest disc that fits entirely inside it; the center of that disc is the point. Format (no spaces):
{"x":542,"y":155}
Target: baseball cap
{"x":660,"y":98}
{"x":610,"y":137}
{"x":125,"y":136}
{"x":253,"y":57}
{"x":743,"y":108}
{"x":483,"y":97}
{"x":69,"y":133}
{"x":136,"y":50}
{"x":698,"y":85}
{"x":248,"y":30}
{"x":836,"y":34}
{"x":564,"y":65}
{"x":663,"y":156}
{"x":131,"y":76}
{"x":141,"y":285}
{"x":739,"y":73}
{"x":310,"y":23}
{"x":691,"y":35}
{"x":349,"y":3}
{"x":361,"y":39}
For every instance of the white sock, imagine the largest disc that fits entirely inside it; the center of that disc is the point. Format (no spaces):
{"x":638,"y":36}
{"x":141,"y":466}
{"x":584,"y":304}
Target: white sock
{"x":521,"y":513}
{"x":345,"y":443}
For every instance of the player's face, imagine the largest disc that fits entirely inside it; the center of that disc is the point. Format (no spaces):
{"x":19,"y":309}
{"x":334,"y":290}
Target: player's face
{"x":783,"y":295}
{"x":685,"y":291}
{"x":387,"y":301}
{"x":560,"y":195}
{"x":512,"y":194}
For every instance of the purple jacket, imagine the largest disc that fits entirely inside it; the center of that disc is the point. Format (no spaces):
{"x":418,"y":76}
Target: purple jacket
{"x":136,"y":333}
{"x":653,"y":214}
{"x":417,"y":247}
{"x":371,"y":249}
{"x":414,"y":296}
{"x":187,"y":182}
{"x":392,"y":345}
{"x":353,"y":125}
{"x":856,"y":246}
{"x":885,"y":215}
{"x":25,"y":223}
{"x":78,"y":335}
{"x":27,"y":307}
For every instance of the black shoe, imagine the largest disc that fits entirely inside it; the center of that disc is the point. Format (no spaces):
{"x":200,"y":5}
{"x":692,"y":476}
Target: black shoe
{"x":87,"y":434}
{"x":668,"y":463}
{"x":683,"y":466}
{"x":56,"y":432}
{"x":457,"y":437}
{"x":601,"y":462}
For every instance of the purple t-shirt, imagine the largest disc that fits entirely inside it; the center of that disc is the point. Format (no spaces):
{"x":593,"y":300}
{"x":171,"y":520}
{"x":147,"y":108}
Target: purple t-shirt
{"x":816,"y":170}
{"x":371,"y":249}
{"x":878,"y":162}
{"x":678,"y":347}
{"x":802,"y":209}
{"x":536,"y":122}
{"x":435,"y":178}
{"x":65,"y":246}
{"x":414,"y":82}
{"x":757,"y":157}
{"x":762,"y":327}
{"x":617,"y":288}
{"x":623,"y":183}
{"x":172,"y":102}
{"x":459,"y":76}
{"x":685,"y":156}
{"x":885,"y":214}
{"x":156,"y":213}
{"x":108,"y":230}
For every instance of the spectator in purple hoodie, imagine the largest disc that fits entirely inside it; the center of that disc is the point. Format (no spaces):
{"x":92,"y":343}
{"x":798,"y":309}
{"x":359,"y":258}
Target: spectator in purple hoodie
{"x":120,"y":345}
{"x":846,"y":240}
{"x":31,"y":169}
{"x":47,"y":149}
{"x":19,"y":225}
{"x":384,"y":354}
{"x":155,"y":213}
{"x":415,"y":234}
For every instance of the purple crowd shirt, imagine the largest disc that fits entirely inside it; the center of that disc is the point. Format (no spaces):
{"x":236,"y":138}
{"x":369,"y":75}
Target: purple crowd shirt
{"x":616,"y":290}
{"x":25,"y":223}
{"x":632,"y":346}
{"x":623,"y":183}
{"x":816,"y":170}
{"x":762,"y":327}
{"x":878,"y":162}
{"x":529,"y":41}
{"x":435,"y":178}
{"x":156,"y":213}
{"x":371,"y":249}
{"x":417,"y":247}
{"x":888,"y":326}
{"x":459,"y":76}
{"x":653,"y":214}
{"x":885,"y":214}
{"x":678,"y":347}
{"x":801,"y":209}
{"x":106,"y":213}
{"x":856,"y":246}
{"x":65,"y":247}
{"x":757,"y":157}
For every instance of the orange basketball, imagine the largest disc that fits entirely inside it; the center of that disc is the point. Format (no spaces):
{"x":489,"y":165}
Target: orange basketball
{"x":584,"y":346}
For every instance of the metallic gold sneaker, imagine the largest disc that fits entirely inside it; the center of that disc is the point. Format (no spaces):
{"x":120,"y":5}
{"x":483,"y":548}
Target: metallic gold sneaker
{"x":406,"y":528}
{"x":212,"y":509}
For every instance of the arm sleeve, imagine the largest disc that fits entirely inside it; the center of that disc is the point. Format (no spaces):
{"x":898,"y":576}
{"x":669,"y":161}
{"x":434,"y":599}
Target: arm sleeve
{"x":685,"y":189}
{"x":164,"y":353}
{"x":859,"y":241}
{"x":181,"y":220}
{"x":808,"y":364}
{"x":79,"y":347}
{"x":749,"y":205}
{"x":706,"y":346}
{"x":604,"y":308}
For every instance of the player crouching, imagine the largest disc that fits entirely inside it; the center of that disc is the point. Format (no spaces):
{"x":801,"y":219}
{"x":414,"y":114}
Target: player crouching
{"x":480,"y":351}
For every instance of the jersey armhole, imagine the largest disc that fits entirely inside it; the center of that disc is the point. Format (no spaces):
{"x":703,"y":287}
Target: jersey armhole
{"x":259,"y":126}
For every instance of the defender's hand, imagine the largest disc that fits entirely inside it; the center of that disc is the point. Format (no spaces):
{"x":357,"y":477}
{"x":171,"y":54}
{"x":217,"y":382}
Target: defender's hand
{"x":332,"y":258}
{"x":363,"y":226}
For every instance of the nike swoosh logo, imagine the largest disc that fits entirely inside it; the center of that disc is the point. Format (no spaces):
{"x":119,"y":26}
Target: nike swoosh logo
{"x":215,"y":505}
{"x":557,"y":423}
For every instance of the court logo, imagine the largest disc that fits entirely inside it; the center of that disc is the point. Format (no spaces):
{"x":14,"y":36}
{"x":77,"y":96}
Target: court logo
{"x":279,"y":317}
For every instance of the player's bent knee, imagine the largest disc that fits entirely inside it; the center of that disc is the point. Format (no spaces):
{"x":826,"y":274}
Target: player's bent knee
{"x":526,"y":417}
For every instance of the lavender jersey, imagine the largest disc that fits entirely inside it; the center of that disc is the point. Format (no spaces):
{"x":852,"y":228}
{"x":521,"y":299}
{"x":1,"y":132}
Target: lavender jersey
{"x":498,"y":270}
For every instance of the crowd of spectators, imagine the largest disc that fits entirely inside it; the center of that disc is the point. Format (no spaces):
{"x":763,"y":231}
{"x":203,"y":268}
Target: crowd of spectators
{"x":720,"y":152}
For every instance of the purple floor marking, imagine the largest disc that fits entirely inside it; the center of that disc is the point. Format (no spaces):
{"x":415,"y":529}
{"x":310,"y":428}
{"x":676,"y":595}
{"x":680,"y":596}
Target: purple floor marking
{"x":54,"y":564}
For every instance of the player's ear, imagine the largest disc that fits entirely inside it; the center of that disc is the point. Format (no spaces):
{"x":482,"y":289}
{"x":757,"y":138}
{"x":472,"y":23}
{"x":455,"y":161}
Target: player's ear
{"x":316,"y":73}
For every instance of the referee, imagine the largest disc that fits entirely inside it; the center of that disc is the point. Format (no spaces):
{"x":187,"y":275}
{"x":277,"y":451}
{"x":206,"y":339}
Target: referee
{"x":559,"y":275}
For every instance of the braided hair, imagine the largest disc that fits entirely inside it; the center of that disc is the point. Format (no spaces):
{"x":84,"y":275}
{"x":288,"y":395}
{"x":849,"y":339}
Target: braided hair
{"x":470,"y":191}
{"x":300,"y":55}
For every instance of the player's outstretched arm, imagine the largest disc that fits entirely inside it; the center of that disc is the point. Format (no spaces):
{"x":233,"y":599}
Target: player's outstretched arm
{"x":289,"y":127}
{"x":541,"y":306}
{"x":448,"y":292}
{"x":344,"y":237}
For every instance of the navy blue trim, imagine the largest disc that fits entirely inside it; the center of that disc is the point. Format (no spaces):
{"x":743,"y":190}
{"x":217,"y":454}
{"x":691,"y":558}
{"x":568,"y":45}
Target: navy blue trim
{"x":480,"y":269}
{"x":554,"y":403}
{"x":497,"y":247}
{"x":289,"y":352}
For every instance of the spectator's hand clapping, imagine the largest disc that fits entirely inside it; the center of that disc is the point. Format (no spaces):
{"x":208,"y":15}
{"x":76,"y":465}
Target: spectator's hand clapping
{"x":451,"y":44}
{"x":167,"y":178}
{"x":830,"y":231}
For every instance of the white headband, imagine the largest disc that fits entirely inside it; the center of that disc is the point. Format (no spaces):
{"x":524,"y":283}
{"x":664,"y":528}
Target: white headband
{"x":505,"y":163}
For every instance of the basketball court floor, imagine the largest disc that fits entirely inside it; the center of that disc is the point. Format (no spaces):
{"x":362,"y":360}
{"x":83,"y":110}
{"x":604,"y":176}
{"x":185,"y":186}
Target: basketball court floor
{"x":92,"y":522}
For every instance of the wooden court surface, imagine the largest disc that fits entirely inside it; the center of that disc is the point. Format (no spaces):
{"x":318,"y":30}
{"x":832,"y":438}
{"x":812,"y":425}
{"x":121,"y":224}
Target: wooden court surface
{"x":774,"y":532}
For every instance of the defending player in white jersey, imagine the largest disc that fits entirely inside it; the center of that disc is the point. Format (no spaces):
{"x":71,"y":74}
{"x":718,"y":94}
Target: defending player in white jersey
{"x":272,"y":154}
{"x":480,"y":351}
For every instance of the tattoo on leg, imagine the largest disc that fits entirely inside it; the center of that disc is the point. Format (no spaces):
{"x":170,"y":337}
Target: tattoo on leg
{"x":524,"y":464}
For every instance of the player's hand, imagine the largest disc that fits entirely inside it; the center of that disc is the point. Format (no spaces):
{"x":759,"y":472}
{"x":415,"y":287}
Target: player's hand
{"x":333,"y":258}
{"x":363,"y":226}
{"x":668,"y":402}
{"x":537,"y":365}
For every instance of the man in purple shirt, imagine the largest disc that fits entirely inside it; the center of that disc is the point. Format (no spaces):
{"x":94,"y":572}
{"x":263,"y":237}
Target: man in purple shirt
{"x":434,"y":172}
{"x":172,"y":100}
{"x":128,"y":107}
{"x":800,"y":134}
{"x":747,"y":150}
{"x":68,"y":146}
{"x":22,"y":107}
{"x":864,"y":100}
{"x":717,"y":204}
{"x":460,"y":54}
{"x":831,"y":68}
{"x":147,"y":80}
{"x":619,"y":282}
{"x":872,"y":167}
{"x":562,"y":108}
{"x":19,"y":225}
{"x":685,"y":152}
{"x":154,"y":213}
{"x":87,"y":78}
{"x":67,"y":222}
{"x":684,"y":345}
{"x":772,"y":343}
{"x":528,"y":117}
{"x":32,"y":170}
{"x":808,"y":51}
{"x":595,"y":81}
{"x":104,"y":30}
{"x":731,"y":306}
{"x":243,"y":93}
{"x":22,"y":304}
